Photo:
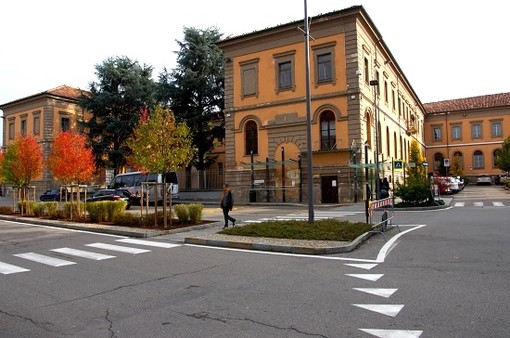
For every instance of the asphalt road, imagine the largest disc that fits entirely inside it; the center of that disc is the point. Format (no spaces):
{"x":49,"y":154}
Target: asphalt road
{"x":444,"y":275}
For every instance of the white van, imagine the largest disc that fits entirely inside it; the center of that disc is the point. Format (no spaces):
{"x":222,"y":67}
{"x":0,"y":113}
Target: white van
{"x":133,"y":182}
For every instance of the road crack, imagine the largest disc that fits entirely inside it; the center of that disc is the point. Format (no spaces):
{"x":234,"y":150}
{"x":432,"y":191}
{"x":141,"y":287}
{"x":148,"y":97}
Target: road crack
{"x":223,"y":319}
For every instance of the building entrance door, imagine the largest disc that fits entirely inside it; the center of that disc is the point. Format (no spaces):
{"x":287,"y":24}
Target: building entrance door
{"x":329,"y":189}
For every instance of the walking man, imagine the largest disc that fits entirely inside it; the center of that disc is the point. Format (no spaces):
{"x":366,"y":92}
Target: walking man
{"x":227,"y":203}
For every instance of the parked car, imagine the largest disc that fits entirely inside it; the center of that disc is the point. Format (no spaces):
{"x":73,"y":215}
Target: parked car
{"x":112,"y":195}
{"x":50,"y":195}
{"x":483,"y":179}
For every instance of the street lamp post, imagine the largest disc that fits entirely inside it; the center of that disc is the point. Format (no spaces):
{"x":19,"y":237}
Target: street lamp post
{"x":374,"y":84}
{"x":308,"y":120}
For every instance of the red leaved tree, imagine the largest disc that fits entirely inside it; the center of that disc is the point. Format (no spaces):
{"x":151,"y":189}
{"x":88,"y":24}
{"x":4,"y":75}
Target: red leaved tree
{"x":22,"y":162}
{"x":71,"y":160}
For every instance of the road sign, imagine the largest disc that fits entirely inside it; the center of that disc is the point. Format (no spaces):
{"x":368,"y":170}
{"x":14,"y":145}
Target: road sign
{"x":411,"y":165}
{"x":446,"y":162}
{"x":397,"y":165}
{"x":425,"y":164}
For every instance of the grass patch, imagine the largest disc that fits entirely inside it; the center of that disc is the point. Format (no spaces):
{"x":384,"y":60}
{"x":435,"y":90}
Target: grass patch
{"x":324,"y":229}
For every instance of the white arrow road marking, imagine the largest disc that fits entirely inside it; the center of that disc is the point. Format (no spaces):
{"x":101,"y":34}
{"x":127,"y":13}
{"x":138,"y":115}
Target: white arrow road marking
{"x":51,"y":261}
{"x":459,"y":204}
{"x":389,"y":310}
{"x":393,"y":333}
{"x":386,"y":293}
{"x":83,"y":254}
{"x":370,"y":277}
{"x":362,"y":266}
{"x":118,"y":248}
{"x":148,"y":243}
{"x":8,"y":268}
{"x":478,"y":204}
{"x":498,"y":204}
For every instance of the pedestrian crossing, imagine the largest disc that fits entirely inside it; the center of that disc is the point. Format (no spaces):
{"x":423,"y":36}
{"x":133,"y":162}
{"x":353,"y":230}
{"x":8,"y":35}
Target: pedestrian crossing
{"x":304,"y":216}
{"x":479,"y":204}
{"x":73,"y":253}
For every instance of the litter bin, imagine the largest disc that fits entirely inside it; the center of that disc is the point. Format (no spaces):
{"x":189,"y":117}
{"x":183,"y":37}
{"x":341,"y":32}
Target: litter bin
{"x":253,"y":196}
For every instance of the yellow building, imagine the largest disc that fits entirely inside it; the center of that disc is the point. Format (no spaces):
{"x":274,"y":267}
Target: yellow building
{"x":471,"y":129}
{"x":359,"y":96}
{"x":43,"y":116}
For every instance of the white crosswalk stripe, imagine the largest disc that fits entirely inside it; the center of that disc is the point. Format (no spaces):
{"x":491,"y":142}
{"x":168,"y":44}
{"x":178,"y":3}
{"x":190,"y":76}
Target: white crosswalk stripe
{"x":479,"y":204}
{"x":304,"y":216}
{"x":148,"y":243}
{"x":43,"y":259}
{"x":118,"y":248}
{"x":6,"y":268}
{"x":9,"y":268}
{"x":82,"y":254}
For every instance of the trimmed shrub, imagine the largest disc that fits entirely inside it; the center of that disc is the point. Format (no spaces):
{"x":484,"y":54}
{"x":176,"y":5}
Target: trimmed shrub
{"x":77,"y":209}
{"x":39,"y":209}
{"x":5,"y":210}
{"x":128,"y":219}
{"x":114,"y":209}
{"x":96,"y":211}
{"x":181,"y":211}
{"x":195,"y":212}
{"x":51,"y":209}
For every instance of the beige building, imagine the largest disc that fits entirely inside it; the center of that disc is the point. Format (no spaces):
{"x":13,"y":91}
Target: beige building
{"x":471,"y":129}
{"x":43,"y":116}
{"x":359,"y":96}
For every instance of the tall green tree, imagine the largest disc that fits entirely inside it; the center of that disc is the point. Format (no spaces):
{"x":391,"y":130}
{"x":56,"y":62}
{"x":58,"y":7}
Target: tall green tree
{"x":124,"y":89}
{"x":160,"y":145}
{"x":194,"y":91}
{"x":503,"y":159}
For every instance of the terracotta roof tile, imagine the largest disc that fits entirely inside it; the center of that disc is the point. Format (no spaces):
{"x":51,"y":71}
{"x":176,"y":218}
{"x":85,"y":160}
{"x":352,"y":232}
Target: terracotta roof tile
{"x":469,"y":103}
{"x":66,"y":91}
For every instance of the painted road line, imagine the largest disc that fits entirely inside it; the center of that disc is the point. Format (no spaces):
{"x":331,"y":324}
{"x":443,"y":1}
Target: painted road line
{"x":478,"y":204}
{"x":386,"y":293}
{"x":47,"y":260}
{"x":148,"y":243}
{"x":370,"y":277}
{"x":82,"y":254}
{"x":390,"y":310}
{"x":459,"y":204}
{"x":393,"y":333}
{"x":7,"y":269}
{"x":498,"y":204}
{"x":118,"y":248}
{"x":362,"y":266}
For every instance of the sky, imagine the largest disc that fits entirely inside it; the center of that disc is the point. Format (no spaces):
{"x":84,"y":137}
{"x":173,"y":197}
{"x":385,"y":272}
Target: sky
{"x":447,"y":49}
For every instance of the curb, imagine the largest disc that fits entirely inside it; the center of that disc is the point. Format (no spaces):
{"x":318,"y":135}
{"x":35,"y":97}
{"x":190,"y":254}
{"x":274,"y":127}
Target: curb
{"x":258,"y":246}
{"x":105,"y":229}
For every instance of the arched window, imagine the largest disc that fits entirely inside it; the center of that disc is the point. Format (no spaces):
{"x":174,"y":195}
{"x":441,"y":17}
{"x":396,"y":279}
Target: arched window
{"x":478,"y":161}
{"x":369,"y":129}
{"x":495,"y":155}
{"x":438,"y":161}
{"x":328,"y":131}
{"x":388,"y":154}
{"x":458,"y":155}
{"x":251,"y":138}
{"x":395,"y":145}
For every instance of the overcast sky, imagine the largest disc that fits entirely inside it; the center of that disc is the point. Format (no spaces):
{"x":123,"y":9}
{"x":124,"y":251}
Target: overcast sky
{"x":447,"y":49}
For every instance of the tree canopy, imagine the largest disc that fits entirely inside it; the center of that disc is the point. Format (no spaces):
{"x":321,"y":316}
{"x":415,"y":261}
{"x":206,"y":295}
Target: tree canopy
{"x":503,"y":158}
{"x":159,"y":144}
{"x":124,"y":88}
{"x":71,"y":160}
{"x":194,"y":90}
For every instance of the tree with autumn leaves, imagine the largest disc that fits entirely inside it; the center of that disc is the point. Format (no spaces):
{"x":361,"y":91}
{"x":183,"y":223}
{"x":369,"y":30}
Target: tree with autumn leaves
{"x":71,"y":161}
{"x":22,"y":162}
{"x":160,"y":145}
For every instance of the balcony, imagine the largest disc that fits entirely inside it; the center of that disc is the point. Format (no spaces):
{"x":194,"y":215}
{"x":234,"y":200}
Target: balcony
{"x":411,"y":128}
